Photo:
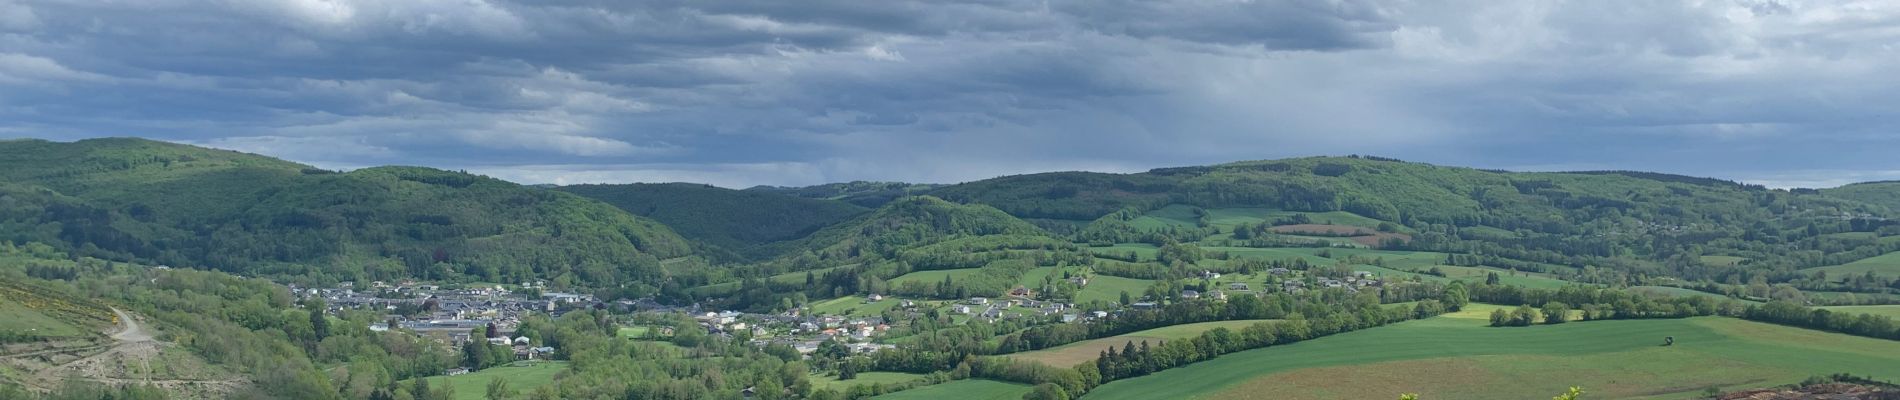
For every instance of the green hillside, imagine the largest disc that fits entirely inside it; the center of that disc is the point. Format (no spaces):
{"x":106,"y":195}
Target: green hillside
{"x":733,"y":219}
{"x":135,"y":199}
{"x":1629,"y":221}
{"x":862,"y":193}
{"x":1457,"y":356}
{"x":910,"y":222}
{"x":1884,"y":194}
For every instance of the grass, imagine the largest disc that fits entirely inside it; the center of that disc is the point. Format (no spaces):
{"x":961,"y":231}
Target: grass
{"x":1722,"y":261}
{"x":1892,"y":311}
{"x":1079,"y":352}
{"x":1175,"y":215}
{"x":20,"y":319}
{"x":968,"y":389}
{"x":1110,"y":288}
{"x":935,"y":276}
{"x":821,"y":381}
{"x":1678,"y":292}
{"x":1521,"y":278}
{"x":854,"y":306}
{"x":1458,"y":357}
{"x":1143,"y":250}
{"x":1885,"y":264}
{"x":522,"y":376}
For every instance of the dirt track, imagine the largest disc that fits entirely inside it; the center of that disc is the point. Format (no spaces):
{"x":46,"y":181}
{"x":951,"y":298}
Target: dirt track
{"x":128,"y":360}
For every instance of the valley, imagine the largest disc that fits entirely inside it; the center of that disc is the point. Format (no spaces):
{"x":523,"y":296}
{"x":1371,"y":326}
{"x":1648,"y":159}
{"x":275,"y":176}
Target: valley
{"x":157,"y":270}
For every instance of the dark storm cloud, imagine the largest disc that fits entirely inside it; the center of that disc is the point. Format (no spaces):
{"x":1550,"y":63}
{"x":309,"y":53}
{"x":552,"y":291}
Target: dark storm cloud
{"x":774,"y":92}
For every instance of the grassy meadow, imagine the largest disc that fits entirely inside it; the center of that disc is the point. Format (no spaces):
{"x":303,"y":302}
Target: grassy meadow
{"x":968,"y":389}
{"x":522,"y":376}
{"x":1885,"y":264}
{"x":1892,"y":311}
{"x":1457,"y":356}
{"x":824,"y":381}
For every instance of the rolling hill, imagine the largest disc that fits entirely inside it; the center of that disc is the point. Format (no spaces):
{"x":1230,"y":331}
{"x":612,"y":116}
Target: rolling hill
{"x":143,"y":200}
{"x":738,"y":220}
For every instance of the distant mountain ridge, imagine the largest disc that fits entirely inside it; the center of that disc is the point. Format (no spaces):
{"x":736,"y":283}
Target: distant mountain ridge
{"x":737,"y":220}
{"x":863,"y":193}
{"x":150,"y":201}
{"x":137,"y":199}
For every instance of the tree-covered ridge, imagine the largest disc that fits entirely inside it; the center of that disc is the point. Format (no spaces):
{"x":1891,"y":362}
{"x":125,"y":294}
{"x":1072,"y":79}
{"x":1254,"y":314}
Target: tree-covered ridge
{"x":862,"y":193}
{"x":1596,"y":214}
{"x":1884,"y":194}
{"x":906,"y":223}
{"x":737,"y":220}
{"x":131,"y":199}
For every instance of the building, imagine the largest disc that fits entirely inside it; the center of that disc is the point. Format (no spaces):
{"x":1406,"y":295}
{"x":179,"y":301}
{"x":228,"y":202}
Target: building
{"x":1190,"y":294}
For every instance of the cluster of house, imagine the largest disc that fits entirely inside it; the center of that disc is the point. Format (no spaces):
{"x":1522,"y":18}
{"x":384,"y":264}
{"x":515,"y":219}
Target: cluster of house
{"x":452,"y":315}
{"x":983,"y":309}
{"x":1353,"y":283}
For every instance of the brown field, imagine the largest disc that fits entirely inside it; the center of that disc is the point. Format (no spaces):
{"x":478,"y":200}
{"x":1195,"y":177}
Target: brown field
{"x":1361,"y":235}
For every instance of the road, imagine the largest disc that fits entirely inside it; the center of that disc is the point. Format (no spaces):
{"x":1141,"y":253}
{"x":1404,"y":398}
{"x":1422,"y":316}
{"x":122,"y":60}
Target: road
{"x":130,"y":331}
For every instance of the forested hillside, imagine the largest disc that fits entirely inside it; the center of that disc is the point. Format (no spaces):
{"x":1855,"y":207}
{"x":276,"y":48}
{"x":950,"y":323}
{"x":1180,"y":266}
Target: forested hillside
{"x":1885,"y":193}
{"x":734,"y":220}
{"x":141,"y":200}
{"x":862,"y":193}
{"x":1613,"y":218}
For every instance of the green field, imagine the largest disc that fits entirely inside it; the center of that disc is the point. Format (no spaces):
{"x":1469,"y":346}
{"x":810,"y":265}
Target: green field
{"x":1458,"y":357}
{"x":855,"y":305}
{"x":1478,"y":275}
{"x":1273,"y":254}
{"x":1175,"y":215}
{"x":1143,"y":250}
{"x":820,"y":381}
{"x":21,"y":320}
{"x":968,"y":389}
{"x":1110,"y":288}
{"x":1892,"y":311}
{"x":935,"y":276}
{"x":1722,"y":261}
{"x":1885,"y":264}
{"x":1078,"y":352}
{"x":522,"y":376}
{"x":1672,"y":291}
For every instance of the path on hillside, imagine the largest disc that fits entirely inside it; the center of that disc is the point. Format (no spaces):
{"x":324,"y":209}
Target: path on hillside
{"x":134,"y":342}
{"x":129,"y":330}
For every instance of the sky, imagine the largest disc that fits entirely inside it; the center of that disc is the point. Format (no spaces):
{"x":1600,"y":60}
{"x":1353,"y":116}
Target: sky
{"x":738,"y":93}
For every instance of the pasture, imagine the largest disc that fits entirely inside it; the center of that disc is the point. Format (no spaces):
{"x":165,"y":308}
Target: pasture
{"x":1079,"y":352}
{"x":1457,"y":356}
{"x":826,"y":381}
{"x":1671,"y":291}
{"x":854,"y":306}
{"x":522,"y":377}
{"x":968,"y":389}
{"x":1722,"y":261}
{"x":1520,"y":278}
{"x":1142,"y":250}
{"x":1110,"y":288}
{"x":1885,"y":265}
{"x":1891,"y":311}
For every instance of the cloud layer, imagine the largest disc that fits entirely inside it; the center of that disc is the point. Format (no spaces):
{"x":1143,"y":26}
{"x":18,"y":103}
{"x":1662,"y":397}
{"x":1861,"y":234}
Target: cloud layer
{"x":739,"y":93}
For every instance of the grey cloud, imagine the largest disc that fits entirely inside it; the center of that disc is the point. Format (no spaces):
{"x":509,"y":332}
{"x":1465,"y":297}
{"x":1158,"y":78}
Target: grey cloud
{"x":745,"y":92}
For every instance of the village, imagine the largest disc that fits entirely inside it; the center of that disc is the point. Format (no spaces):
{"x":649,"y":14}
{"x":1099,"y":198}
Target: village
{"x":457,"y":315}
